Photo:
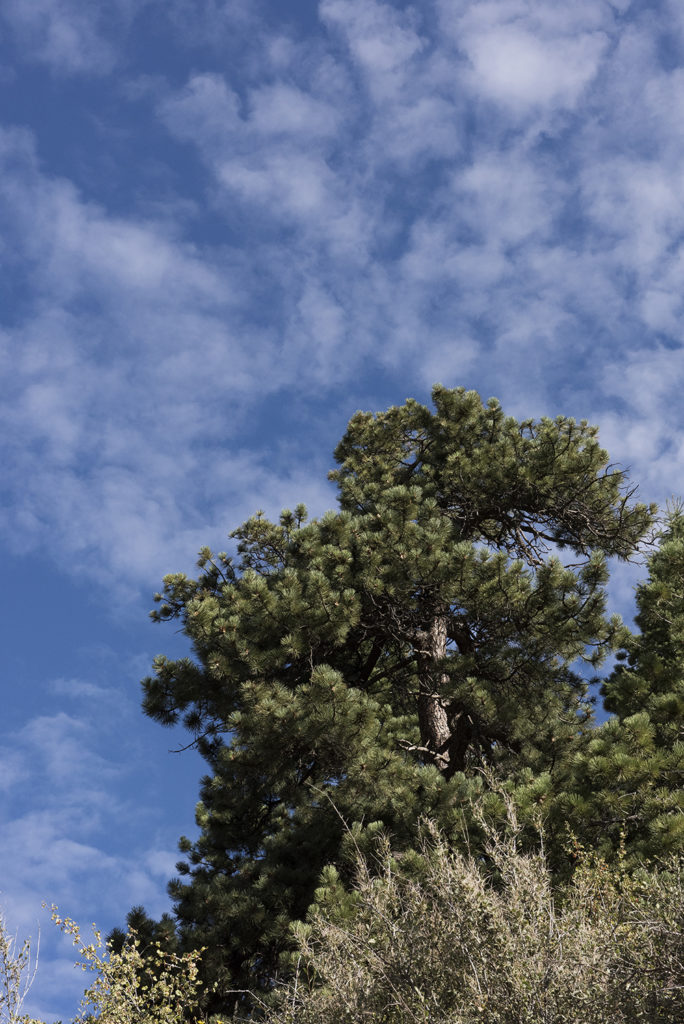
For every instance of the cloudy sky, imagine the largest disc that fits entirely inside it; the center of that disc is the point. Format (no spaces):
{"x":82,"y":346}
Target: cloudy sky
{"x":225,"y":225}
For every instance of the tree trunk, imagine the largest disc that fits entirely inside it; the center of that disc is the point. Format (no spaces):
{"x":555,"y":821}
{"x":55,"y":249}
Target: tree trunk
{"x":444,"y":738}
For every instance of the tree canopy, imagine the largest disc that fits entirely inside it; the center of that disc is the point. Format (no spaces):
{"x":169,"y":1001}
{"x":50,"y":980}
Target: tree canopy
{"x":360,"y":669}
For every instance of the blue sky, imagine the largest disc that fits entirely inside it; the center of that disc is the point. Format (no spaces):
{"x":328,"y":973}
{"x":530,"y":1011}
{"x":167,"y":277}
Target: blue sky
{"x":225,"y":225}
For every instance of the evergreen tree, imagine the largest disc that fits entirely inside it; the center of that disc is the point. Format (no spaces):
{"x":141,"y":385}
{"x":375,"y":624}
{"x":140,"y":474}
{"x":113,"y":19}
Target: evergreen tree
{"x":149,"y":932}
{"x":362,"y":667}
{"x":626,"y":783}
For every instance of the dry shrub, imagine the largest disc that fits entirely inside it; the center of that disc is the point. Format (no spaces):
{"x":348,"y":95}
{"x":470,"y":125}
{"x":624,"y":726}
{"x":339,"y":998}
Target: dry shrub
{"x":17,"y":971}
{"x":448,"y":938}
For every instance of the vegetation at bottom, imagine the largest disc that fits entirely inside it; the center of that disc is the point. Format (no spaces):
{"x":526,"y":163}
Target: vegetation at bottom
{"x":443,"y":937}
{"x":431,"y":936}
{"x":425,"y":653}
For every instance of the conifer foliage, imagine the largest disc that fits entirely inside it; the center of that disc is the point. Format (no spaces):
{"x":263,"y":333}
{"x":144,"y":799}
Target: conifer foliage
{"x":362,"y":667}
{"x":627,"y":777}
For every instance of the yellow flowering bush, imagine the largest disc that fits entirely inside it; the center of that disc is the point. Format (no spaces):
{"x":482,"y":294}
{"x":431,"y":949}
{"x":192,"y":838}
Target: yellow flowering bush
{"x":129,"y":988}
{"x":134,"y":986}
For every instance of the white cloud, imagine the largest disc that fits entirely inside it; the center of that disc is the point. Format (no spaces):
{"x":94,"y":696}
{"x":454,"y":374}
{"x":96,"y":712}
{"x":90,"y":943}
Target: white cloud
{"x":516,"y":68}
{"x":105,"y":406}
{"x":543,"y":19}
{"x":452,"y":360}
{"x":206,"y":109}
{"x":644,"y":432}
{"x":486,"y":230}
{"x":528,"y":57}
{"x":63,"y":34}
{"x":274,"y":159}
{"x":414,"y":105}
{"x":162,"y":863}
{"x":637,"y":200}
{"x":11,"y":769}
{"x":293,"y":184}
{"x":507,"y":201}
{"x":381,"y":38}
{"x":661,"y":308}
{"x":83,"y":689}
{"x":281,"y":109}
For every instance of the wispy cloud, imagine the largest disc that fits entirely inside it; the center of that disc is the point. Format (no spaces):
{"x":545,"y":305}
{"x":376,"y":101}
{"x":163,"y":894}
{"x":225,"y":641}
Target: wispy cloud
{"x":485,"y":193}
{"x":64,"y":34}
{"x":119,"y":366}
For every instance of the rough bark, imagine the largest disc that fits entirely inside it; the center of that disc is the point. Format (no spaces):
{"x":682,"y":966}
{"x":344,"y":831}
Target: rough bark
{"x":444,"y":737}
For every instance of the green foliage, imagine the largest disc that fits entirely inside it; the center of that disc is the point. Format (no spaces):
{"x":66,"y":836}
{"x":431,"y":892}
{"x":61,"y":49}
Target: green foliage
{"x":627,"y":778}
{"x":382,"y":654}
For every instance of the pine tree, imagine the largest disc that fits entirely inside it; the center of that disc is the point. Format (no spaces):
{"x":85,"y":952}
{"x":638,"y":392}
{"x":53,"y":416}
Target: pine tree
{"x":626,"y":785}
{"x":362,"y":667}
